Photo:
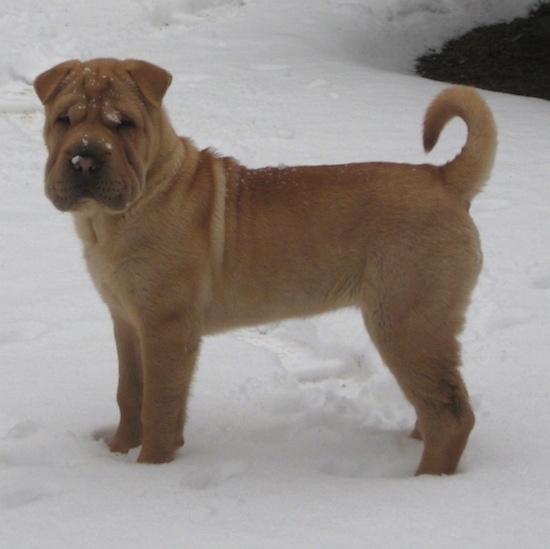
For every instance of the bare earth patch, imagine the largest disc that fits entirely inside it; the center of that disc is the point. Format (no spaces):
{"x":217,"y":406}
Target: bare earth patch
{"x":507,"y":57}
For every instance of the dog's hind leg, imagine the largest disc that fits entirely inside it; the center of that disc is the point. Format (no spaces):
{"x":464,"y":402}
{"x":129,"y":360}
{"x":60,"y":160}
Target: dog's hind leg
{"x":423,"y":353}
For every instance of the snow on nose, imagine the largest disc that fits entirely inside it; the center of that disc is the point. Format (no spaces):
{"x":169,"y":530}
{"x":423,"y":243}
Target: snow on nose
{"x":84,"y":164}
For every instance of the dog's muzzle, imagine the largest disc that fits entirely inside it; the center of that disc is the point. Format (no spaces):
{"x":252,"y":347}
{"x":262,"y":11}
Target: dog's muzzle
{"x":87,"y":173}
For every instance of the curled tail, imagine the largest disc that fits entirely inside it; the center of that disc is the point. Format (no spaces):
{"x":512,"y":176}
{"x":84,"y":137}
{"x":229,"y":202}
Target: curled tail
{"x":470,"y":169}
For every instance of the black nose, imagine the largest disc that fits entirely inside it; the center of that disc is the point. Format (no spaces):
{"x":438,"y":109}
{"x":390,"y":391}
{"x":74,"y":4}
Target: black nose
{"x":84,"y":164}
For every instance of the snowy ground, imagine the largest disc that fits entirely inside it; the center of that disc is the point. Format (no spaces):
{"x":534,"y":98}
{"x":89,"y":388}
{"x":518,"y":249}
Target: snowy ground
{"x":297,"y":433}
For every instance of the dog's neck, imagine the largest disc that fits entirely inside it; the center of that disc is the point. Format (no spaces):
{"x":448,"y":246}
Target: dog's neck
{"x":95,"y":224}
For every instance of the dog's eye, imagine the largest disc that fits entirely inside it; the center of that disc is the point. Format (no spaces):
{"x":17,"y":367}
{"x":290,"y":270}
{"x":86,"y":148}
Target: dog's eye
{"x":126,"y":124}
{"x":63,"y":120}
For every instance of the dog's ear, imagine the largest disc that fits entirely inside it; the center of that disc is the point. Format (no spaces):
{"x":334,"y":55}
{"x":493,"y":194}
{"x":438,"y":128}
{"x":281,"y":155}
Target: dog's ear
{"x":151,"y":80}
{"x":47,"y":83}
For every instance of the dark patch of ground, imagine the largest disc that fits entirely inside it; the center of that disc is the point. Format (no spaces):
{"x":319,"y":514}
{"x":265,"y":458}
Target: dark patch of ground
{"x":508,"y":57}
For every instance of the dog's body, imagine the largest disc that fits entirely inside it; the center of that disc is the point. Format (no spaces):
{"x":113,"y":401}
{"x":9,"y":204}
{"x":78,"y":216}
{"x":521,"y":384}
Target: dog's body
{"x":182,"y":243}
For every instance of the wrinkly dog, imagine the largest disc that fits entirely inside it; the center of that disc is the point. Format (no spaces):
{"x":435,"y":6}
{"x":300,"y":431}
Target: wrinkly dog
{"x":182,"y":243}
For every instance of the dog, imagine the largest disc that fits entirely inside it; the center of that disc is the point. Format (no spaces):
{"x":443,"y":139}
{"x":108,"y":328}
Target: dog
{"x":183,"y":243}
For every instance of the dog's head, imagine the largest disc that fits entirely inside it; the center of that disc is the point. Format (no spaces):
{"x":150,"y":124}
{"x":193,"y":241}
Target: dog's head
{"x":102,"y":130}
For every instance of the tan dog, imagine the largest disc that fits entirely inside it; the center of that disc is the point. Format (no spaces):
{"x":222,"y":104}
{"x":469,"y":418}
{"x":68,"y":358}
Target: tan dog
{"x":182,"y":243}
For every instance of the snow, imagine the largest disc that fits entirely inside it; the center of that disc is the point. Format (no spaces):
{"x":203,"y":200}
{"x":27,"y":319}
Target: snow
{"x":297,"y":435}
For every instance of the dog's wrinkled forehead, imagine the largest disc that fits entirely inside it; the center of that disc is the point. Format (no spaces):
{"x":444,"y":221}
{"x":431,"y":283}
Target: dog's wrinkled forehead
{"x":101,"y":93}
{"x":89,"y":83}
{"x":130,"y":81}
{"x":95,"y":85}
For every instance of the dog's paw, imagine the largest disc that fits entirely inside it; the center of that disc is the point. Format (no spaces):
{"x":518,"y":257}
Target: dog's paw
{"x":159,"y":453}
{"x":119,"y":441}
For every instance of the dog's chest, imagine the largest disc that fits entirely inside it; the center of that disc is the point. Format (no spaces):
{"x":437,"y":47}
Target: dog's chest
{"x":121,"y":272}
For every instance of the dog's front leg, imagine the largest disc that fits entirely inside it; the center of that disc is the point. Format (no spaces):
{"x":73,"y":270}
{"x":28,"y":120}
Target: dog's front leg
{"x":169,"y":353}
{"x":130,"y":387}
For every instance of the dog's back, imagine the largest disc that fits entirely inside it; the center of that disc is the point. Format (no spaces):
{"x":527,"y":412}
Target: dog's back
{"x":304,"y":239}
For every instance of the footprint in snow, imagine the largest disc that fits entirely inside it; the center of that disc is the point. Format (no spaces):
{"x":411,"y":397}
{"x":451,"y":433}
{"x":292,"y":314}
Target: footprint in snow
{"x":270,"y":67}
{"x":23,"y":493}
{"x":297,"y":357}
{"x":23,"y":429}
{"x":21,"y":331}
{"x":215,"y":474}
{"x":17,"y":490}
{"x":383,"y":455}
{"x":325,"y":87}
{"x":542,"y":283}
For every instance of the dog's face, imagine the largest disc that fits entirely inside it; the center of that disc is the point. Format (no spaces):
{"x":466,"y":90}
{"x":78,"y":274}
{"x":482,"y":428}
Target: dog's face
{"x":100,"y":130}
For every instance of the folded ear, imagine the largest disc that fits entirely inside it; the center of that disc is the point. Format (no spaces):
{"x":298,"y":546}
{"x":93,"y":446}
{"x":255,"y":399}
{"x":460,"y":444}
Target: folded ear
{"x":151,"y":80}
{"x":47,"y":83}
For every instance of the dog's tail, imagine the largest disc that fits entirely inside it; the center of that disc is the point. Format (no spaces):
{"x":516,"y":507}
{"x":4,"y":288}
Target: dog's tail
{"x":465,"y":174}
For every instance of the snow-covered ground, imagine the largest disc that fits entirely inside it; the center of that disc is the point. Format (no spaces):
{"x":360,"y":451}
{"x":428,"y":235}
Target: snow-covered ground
{"x":297,"y":435}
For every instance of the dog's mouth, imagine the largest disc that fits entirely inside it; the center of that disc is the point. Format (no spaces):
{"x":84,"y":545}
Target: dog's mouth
{"x":84,"y":176}
{"x":66,"y":199}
